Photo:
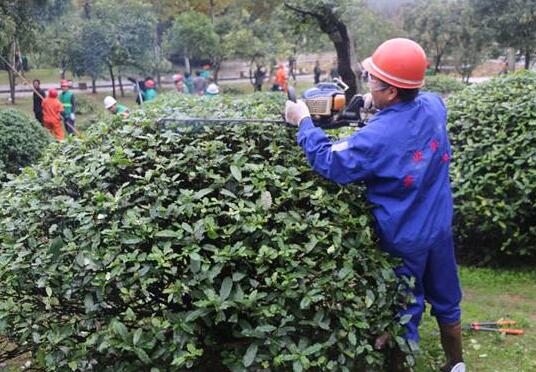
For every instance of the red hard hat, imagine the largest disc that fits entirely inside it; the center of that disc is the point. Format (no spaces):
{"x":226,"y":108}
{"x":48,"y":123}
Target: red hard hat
{"x":178,"y":77}
{"x":149,"y":83}
{"x":52,"y":93}
{"x":399,"y":62}
{"x":64,"y":83}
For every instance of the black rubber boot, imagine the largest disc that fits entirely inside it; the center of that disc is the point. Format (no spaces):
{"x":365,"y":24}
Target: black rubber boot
{"x":451,"y":340}
{"x":397,"y":361}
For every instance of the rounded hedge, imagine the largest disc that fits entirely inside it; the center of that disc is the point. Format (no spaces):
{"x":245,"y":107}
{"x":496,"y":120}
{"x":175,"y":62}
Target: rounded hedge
{"x":443,"y":84}
{"x":22,"y":141}
{"x":493,"y":131}
{"x":211,"y":249}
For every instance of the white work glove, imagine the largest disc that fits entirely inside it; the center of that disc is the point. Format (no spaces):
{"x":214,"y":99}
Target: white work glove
{"x":296,"y":112}
{"x":368,"y":105}
{"x":72,"y":116}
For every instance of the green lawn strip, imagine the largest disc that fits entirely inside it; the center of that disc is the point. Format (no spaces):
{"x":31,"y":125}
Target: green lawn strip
{"x":46,"y":75}
{"x":490,"y":295}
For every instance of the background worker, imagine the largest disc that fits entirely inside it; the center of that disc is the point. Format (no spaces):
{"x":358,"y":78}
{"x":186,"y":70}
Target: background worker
{"x":200,"y":84}
{"x":281,"y":78}
{"x":38,"y":96}
{"x":115,"y":108}
{"x":206,"y":73}
{"x":150,"y":92}
{"x":178,"y":79}
{"x":69,"y":104}
{"x":317,"y":71}
{"x":212,"y":88}
{"x":402,"y":155}
{"x":52,"y":112}
{"x":189,"y":83}
{"x":259,"y":77}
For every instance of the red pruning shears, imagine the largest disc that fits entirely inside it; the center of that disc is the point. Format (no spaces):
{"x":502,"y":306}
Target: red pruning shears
{"x":499,"y":326}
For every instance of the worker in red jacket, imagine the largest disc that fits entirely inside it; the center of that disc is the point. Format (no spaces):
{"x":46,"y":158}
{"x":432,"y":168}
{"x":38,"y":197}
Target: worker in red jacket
{"x":52,"y":113}
{"x":281,"y":78}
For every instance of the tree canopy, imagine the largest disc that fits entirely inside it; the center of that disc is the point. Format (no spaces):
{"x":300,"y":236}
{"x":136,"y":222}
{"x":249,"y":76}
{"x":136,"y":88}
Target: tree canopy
{"x":512,"y":23}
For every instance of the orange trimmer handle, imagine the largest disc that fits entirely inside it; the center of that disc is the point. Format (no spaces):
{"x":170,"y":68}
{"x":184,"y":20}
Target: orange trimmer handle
{"x":510,"y":331}
{"x":506,"y":322}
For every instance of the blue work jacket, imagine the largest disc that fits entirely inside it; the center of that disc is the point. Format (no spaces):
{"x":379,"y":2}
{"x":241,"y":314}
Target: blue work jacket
{"x":402,"y":155}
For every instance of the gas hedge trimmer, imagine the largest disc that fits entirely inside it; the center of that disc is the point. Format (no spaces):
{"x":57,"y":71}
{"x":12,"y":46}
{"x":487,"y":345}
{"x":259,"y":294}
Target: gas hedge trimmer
{"x":326,"y":102}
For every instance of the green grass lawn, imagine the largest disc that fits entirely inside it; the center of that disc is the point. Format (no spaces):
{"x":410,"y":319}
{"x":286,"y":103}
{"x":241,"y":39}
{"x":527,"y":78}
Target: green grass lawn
{"x":490,"y":295}
{"x":46,"y":75}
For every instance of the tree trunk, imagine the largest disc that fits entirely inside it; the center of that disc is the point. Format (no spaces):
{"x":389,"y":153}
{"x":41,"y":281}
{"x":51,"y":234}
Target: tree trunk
{"x":345,"y":54}
{"x":527,"y":59}
{"x":217,"y":67}
{"x":438,"y":57}
{"x":119,"y":79}
{"x":187,"y":67}
{"x":211,"y":10}
{"x":11,"y":78}
{"x":511,"y":59}
{"x":10,"y":73}
{"x":251,"y":71}
{"x":335,"y":28}
{"x":93,"y":85}
{"x":87,"y":9}
{"x":113,"y":79}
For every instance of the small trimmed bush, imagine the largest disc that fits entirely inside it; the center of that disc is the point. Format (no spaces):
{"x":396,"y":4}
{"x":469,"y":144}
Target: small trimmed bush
{"x":443,"y":84}
{"x":208,"y":249}
{"x":22,"y":141}
{"x":86,"y":106}
{"x":493,"y":132}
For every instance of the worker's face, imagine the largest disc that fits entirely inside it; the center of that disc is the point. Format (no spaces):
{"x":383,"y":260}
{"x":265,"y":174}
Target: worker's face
{"x":64,"y":88}
{"x":36,"y":84}
{"x":113,"y":109}
{"x":179,"y":85}
{"x":383,"y":94}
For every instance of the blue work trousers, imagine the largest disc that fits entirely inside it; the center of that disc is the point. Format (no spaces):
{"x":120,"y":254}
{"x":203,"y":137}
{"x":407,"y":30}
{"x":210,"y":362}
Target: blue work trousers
{"x":436,"y":281}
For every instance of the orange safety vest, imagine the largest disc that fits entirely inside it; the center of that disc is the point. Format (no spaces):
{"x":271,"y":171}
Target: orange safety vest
{"x":281,"y":78}
{"x":52,"y":109}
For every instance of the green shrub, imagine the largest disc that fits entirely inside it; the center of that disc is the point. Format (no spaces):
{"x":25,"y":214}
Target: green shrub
{"x":443,"y":84}
{"x":21,"y":141}
{"x":85,"y":105}
{"x":235,"y":90}
{"x":493,"y":131}
{"x":192,"y":249}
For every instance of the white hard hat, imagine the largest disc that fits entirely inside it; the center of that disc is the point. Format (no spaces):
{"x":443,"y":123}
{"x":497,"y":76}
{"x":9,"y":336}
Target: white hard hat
{"x":213,"y":89}
{"x":109,"y":102}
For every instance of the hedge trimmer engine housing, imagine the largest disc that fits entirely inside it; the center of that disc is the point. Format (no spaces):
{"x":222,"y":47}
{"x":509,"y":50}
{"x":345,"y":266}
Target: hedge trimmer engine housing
{"x":324,"y":100}
{"x":327,"y":105}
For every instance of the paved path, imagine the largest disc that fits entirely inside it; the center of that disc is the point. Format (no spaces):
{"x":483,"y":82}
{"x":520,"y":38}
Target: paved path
{"x":106,"y":86}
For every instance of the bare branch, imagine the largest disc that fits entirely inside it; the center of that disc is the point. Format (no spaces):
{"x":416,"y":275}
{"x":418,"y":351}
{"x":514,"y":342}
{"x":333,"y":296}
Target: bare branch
{"x":302,"y":11}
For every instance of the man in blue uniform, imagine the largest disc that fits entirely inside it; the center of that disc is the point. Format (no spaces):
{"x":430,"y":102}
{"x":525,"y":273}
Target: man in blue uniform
{"x":402,"y":156}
